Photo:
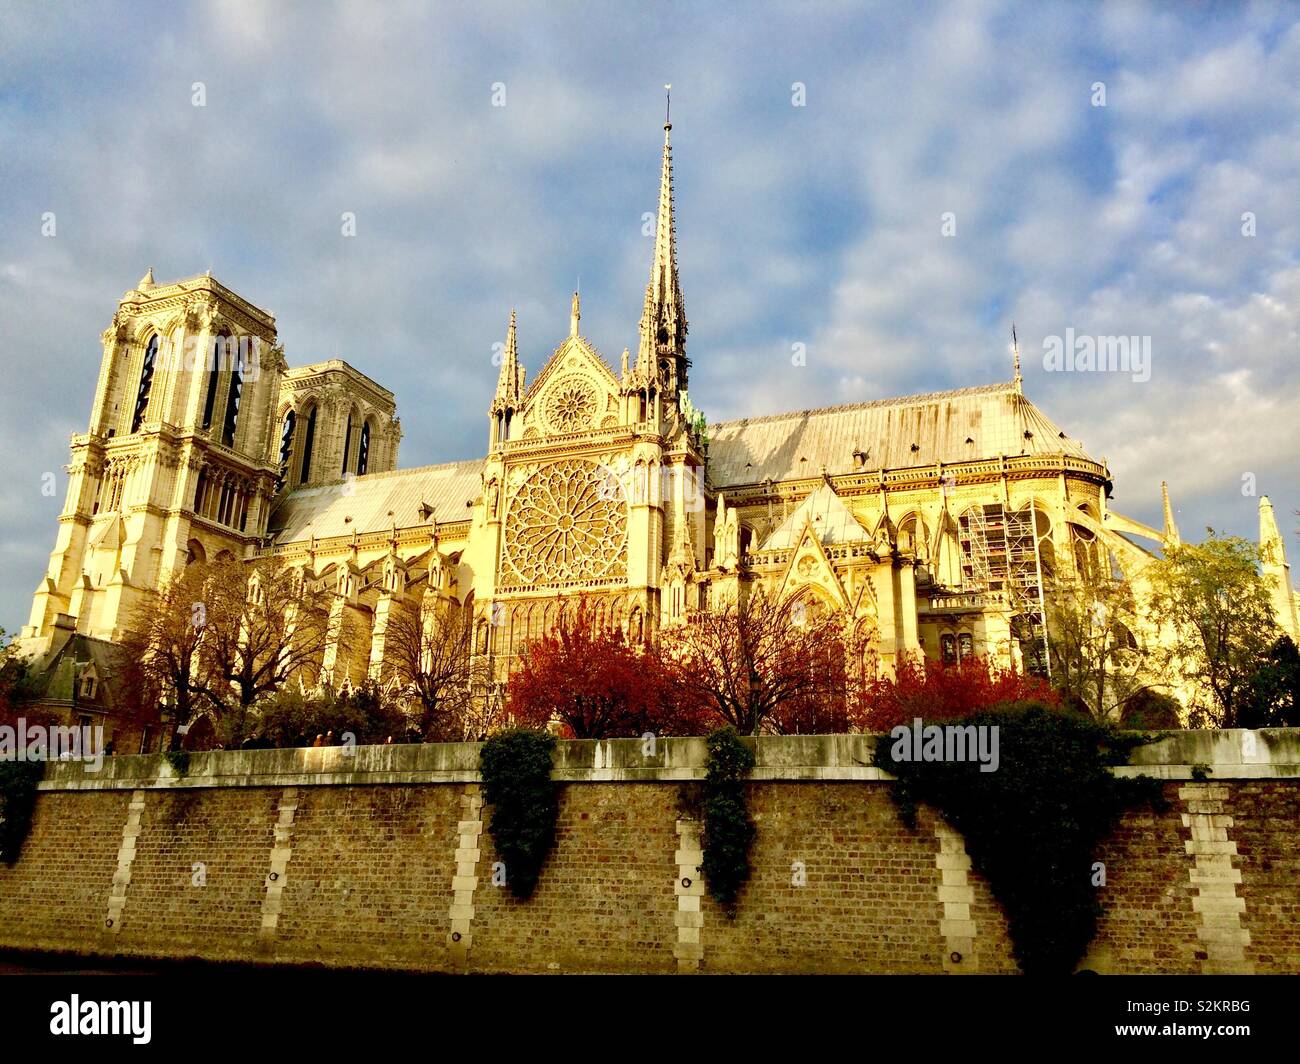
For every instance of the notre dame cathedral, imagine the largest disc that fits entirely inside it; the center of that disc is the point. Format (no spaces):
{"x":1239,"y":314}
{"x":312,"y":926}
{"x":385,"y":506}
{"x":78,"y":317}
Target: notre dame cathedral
{"x":932,"y":521}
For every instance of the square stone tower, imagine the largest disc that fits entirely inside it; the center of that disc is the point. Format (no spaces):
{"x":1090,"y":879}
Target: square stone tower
{"x":334,"y":423}
{"x":180,"y":459}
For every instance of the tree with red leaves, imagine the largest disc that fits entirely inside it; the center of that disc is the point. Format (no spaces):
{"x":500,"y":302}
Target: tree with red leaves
{"x":595,"y":682}
{"x":763,"y":663}
{"x":934,"y":691}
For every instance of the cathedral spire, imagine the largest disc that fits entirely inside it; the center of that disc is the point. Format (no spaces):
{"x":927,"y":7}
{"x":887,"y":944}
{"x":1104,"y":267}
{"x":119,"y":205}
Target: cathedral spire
{"x":508,"y":381}
{"x":1172,"y":539}
{"x":663,"y":321}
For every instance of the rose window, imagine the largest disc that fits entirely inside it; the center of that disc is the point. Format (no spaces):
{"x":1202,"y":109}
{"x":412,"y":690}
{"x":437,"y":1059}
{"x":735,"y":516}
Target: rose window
{"x":571,"y":405}
{"x":568,"y":522}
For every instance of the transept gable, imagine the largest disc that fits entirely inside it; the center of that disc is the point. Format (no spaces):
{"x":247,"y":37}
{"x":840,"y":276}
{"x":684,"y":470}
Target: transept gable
{"x":825,"y":512}
{"x":810,"y":568}
{"x":576,"y":391}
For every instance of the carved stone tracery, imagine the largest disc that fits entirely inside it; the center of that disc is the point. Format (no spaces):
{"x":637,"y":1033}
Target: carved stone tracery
{"x":571,"y":404}
{"x":568,"y":522}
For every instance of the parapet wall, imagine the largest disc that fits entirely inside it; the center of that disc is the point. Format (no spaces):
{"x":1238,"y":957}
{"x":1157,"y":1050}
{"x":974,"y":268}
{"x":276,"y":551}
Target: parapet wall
{"x":380,"y":857}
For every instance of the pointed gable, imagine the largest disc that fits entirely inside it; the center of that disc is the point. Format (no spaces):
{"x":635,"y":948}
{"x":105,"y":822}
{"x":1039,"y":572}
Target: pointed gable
{"x":577,"y":391}
{"x":810,"y":568}
{"x":826,"y":514}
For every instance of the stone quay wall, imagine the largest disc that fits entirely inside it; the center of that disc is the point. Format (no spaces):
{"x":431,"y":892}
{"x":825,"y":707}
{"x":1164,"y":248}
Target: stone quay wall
{"x":380,"y":857}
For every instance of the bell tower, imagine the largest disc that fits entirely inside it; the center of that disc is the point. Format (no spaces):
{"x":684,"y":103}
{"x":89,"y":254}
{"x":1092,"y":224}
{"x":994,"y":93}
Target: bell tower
{"x":179,"y":460}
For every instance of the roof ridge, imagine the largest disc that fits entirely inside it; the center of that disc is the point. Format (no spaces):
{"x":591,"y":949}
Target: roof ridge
{"x":902,"y":400}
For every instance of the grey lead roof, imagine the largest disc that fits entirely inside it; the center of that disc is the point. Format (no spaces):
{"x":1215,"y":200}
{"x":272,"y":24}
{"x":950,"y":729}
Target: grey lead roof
{"x":376,"y":501}
{"x":914,"y":430}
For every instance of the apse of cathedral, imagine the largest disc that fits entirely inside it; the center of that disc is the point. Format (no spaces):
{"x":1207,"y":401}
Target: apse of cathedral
{"x":933,"y":522}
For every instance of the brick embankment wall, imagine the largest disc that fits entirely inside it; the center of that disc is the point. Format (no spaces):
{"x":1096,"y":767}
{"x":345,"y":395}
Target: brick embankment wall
{"x":384,"y":859}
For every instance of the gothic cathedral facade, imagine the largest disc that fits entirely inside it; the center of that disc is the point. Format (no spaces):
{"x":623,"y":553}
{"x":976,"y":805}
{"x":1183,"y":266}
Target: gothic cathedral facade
{"x":932,"y":521}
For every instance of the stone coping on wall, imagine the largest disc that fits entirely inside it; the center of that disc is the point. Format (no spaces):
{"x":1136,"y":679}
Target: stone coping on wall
{"x":1268,"y":753}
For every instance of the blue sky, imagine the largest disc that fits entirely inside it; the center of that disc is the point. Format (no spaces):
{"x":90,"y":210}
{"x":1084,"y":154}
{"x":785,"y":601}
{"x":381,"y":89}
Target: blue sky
{"x":818,"y":224}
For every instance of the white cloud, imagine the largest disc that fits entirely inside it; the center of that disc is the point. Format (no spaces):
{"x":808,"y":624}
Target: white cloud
{"x":818,"y":225}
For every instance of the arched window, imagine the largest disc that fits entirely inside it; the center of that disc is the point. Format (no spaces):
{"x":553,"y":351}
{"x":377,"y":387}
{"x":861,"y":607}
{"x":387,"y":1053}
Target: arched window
{"x":1088,"y":557}
{"x":948,"y":649}
{"x":309,"y":438}
{"x":232,"y":400}
{"x":363,"y":450}
{"x":913,"y":534}
{"x":214,"y":372}
{"x":1046,"y":549}
{"x":347,"y":444}
{"x":286,"y":448}
{"x":146,"y":383}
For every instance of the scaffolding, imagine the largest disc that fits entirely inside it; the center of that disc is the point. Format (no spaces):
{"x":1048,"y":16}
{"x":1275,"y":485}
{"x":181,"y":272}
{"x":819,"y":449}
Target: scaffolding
{"x":1000,"y":553}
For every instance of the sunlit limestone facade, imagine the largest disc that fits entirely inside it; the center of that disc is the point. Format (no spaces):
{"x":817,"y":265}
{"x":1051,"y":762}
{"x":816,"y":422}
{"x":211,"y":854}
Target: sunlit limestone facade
{"x":600,"y":479}
{"x":196,"y":428}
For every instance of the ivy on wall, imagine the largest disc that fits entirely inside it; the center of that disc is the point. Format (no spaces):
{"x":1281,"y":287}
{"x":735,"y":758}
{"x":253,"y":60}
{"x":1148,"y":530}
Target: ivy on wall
{"x":1032,"y":827}
{"x":179,"y":761}
{"x":728,"y":830}
{"x":516,"y":767}
{"x":18,"y":780}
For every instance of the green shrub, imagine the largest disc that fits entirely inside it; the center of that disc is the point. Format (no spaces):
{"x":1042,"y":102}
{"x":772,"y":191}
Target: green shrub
{"x":179,"y":761}
{"x":516,"y":767}
{"x":728,"y":830}
{"x":289,"y":718}
{"x":1151,"y":711}
{"x":18,"y":780}
{"x":1032,"y":827}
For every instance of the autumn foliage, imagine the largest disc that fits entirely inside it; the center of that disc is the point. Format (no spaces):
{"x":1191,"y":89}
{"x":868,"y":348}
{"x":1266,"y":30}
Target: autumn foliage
{"x":934,"y":691}
{"x":762,"y":664}
{"x":765,"y":665}
{"x":595,"y":682}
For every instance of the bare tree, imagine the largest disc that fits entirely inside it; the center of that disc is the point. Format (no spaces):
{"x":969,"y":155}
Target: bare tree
{"x":265,"y":622}
{"x":160,"y":650}
{"x":429,"y":649}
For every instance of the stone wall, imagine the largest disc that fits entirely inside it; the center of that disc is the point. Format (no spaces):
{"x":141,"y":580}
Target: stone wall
{"x":383,"y":859}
